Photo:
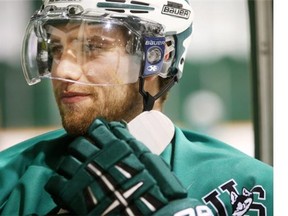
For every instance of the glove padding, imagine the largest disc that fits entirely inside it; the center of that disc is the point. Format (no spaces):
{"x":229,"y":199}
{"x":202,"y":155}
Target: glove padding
{"x":109,"y":172}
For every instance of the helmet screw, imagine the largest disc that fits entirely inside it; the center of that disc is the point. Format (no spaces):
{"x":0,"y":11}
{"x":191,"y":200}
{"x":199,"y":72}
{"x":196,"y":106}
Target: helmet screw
{"x":72,"y":11}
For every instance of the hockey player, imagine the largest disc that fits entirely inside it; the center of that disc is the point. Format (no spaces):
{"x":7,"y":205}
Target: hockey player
{"x":111,"y":64}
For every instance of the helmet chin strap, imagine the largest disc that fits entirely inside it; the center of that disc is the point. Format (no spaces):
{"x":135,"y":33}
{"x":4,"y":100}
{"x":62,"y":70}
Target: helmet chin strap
{"x":148,"y":99}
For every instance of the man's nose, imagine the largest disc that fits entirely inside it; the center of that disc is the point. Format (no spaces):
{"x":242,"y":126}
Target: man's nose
{"x":69,"y":66}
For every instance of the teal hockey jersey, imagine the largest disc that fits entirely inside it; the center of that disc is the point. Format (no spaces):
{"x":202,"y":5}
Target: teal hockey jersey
{"x":227,"y":180}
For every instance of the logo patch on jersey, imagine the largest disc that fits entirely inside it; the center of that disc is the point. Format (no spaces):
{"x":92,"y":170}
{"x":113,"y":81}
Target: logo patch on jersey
{"x":240,"y":203}
{"x":175,"y":9}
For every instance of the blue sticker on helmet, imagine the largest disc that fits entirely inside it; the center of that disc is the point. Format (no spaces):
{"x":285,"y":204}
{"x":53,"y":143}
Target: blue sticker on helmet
{"x":154,"y":48}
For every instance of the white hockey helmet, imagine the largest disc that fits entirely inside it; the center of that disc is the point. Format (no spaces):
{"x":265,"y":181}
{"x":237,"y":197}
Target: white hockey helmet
{"x":158,"y":35}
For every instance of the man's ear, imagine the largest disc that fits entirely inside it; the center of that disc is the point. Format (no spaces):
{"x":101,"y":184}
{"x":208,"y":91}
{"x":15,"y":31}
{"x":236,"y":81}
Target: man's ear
{"x":151,"y":89}
{"x":151,"y":84}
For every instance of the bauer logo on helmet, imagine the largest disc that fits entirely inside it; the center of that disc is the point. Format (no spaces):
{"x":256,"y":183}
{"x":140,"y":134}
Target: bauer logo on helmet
{"x":174,"y":9}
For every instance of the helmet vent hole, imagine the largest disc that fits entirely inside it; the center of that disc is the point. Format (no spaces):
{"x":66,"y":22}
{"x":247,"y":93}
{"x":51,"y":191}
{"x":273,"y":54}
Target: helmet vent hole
{"x":182,"y":61}
{"x":121,"y":1}
{"x":169,"y":43}
{"x":122,"y":6}
{"x":138,"y":11}
{"x":139,"y":3}
{"x":116,"y":10}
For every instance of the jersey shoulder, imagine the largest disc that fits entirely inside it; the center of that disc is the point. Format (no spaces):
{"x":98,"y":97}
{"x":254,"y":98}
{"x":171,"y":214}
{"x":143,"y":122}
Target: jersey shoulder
{"x":30,"y":148}
{"x":228,"y":180}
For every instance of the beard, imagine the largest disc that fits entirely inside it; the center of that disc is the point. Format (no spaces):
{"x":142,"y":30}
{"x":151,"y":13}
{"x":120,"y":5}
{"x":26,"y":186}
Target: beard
{"x":112,"y":103}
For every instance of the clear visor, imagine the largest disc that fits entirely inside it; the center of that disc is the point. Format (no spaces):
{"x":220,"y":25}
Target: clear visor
{"x":93,"y":52}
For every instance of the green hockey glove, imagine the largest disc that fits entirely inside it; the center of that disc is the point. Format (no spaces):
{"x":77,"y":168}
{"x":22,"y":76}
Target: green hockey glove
{"x":109,"y":172}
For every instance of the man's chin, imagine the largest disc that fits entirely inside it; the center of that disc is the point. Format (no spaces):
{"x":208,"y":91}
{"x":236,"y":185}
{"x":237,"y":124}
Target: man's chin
{"x":75,"y":130}
{"x":76,"y":124}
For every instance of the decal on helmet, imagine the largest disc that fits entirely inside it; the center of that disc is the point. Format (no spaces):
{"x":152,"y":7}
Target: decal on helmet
{"x":175,"y":9}
{"x":154,"y":54}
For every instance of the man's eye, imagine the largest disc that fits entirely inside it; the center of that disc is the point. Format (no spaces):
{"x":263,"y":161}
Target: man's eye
{"x":93,"y":47}
{"x":98,"y":44}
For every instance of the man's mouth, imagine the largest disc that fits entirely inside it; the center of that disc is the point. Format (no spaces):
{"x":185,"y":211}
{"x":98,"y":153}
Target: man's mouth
{"x":74,"y":97}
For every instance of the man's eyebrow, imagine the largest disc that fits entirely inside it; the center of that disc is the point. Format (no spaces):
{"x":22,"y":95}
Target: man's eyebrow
{"x":61,"y":31}
{"x":101,"y":38}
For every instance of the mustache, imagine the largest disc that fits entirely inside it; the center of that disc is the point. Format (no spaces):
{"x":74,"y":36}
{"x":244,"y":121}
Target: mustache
{"x":71,"y":89}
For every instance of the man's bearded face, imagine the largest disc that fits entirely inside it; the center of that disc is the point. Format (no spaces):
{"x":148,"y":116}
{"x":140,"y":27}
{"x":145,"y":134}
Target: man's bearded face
{"x":79,"y":105}
{"x":82,"y":66}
